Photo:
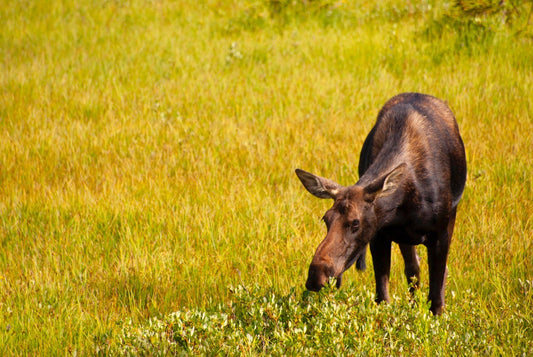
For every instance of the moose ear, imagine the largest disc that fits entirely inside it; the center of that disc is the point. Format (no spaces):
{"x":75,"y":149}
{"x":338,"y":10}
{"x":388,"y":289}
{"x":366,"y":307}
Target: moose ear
{"x":318,"y":186}
{"x":386,"y":184}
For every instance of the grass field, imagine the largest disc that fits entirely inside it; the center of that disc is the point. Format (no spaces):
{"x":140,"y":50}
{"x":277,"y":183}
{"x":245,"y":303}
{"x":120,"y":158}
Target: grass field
{"x":147,"y":156}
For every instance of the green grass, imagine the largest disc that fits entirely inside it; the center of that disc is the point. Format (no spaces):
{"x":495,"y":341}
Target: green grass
{"x":147,"y":156}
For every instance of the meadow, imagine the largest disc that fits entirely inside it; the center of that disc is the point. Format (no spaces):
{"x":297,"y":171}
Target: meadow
{"x":148,"y":201}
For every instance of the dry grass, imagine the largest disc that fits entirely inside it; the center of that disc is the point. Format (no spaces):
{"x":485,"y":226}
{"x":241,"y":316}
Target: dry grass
{"x":147,"y":152}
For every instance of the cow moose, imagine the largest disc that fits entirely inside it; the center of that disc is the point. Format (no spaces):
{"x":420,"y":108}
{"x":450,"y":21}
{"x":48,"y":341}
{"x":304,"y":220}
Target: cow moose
{"x":412,"y":173}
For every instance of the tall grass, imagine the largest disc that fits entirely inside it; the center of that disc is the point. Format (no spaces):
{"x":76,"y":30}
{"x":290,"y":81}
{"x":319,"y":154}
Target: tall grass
{"x":147,"y":152}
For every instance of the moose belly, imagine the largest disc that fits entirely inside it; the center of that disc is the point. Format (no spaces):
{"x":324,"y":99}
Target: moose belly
{"x":405,"y":235}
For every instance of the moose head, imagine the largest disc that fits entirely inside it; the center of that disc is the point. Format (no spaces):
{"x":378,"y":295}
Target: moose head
{"x":357,"y":213}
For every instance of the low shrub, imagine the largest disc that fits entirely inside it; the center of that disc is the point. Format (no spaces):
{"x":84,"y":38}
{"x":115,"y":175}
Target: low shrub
{"x":332,"y":322}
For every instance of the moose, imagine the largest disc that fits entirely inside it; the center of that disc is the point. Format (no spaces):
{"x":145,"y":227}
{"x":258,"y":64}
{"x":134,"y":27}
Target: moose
{"x":412,"y":173}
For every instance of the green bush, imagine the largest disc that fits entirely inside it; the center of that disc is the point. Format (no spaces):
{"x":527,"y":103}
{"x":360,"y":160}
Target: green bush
{"x":484,"y":17}
{"x":333,"y":322}
{"x":509,"y":11}
{"x":472,"y":27}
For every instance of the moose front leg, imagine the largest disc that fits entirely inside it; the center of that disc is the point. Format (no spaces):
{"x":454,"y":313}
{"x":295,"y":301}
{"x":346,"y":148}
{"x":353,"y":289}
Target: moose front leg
{"x":380,"y":248}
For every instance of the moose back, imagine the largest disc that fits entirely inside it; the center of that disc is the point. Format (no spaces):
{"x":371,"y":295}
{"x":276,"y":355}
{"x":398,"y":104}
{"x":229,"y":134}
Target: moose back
{"x":412,"y":173}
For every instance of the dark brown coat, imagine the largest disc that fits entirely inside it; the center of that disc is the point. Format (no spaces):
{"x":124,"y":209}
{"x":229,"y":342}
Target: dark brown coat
{"x":412,"y":172}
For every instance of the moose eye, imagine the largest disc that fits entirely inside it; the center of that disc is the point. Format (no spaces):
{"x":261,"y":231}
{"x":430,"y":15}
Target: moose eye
{"x":354,"y":225}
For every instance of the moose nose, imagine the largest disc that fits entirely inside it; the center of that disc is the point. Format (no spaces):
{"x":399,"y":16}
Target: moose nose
{"x":319,"y":275}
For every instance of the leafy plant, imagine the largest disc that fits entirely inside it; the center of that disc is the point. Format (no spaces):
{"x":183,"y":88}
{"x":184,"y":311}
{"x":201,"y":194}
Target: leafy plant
{"x":331,"y":322}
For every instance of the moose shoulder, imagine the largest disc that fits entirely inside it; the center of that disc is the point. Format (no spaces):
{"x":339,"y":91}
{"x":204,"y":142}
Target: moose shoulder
{"x":412,"y":173}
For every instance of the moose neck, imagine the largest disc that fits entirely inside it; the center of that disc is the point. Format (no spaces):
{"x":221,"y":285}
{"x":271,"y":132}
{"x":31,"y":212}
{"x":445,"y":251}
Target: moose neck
{"x":388,"y":185}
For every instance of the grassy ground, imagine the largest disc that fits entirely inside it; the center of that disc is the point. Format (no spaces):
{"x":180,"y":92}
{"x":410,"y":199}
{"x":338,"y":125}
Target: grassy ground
{"x":148,"y":148}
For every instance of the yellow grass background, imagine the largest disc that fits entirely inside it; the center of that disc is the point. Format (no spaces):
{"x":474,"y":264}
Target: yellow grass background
{"x":148,"y":148}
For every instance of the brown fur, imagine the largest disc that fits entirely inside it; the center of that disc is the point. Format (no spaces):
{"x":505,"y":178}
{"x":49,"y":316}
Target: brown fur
{"x":412,"y":174}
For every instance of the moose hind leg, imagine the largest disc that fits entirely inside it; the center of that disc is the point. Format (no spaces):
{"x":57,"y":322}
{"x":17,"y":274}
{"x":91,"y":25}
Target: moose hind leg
{"x":412,"y":266}
{"x":437,"y":258}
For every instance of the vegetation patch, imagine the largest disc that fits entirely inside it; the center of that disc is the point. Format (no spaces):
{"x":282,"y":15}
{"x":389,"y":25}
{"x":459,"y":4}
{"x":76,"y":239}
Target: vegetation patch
{"x":334,"y":322}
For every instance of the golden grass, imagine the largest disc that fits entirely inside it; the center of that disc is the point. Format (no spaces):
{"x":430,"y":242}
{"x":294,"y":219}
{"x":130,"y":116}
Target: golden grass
{"x":147,"y":152}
